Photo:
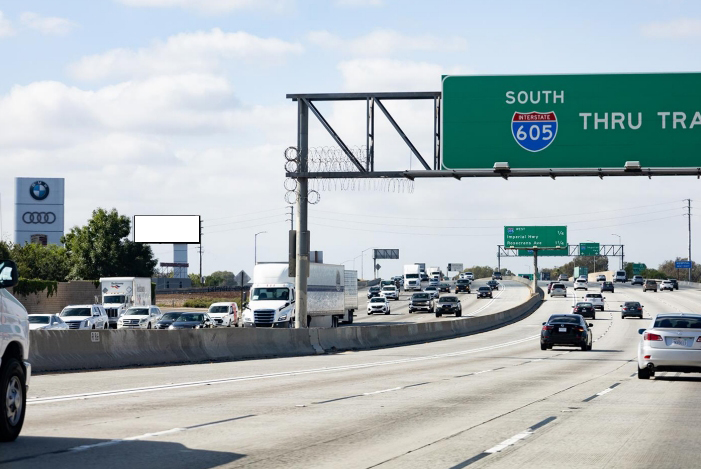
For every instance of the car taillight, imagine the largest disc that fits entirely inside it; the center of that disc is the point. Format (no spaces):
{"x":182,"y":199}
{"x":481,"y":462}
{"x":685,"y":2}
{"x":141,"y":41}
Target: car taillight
{"x":548,"y":328}
{"x":580,"y":329}
{"x":699,"y":339}
{"x":650,"y":336}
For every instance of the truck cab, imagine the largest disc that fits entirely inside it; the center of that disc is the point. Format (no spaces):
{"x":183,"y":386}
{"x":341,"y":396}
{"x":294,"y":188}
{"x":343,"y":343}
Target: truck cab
{"x":271,"y":305}
{"x":15,"y":370}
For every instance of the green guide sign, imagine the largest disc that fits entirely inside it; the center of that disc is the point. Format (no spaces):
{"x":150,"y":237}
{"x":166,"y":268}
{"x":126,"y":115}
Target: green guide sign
{"x":544,"y":252}
{"x":572,"y":121}
{"x":525,"y":237}
{"x":588,"y":249}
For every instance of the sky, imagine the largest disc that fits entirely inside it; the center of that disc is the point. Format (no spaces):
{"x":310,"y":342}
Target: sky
{"x":179,"y":107}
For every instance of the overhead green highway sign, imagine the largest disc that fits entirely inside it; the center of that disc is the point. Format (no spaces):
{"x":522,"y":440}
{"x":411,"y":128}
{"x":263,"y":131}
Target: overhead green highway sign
{"x":543,"y":252}
{"x":589,"y":249}
{"x":540,"y":237}
{"x":571,"y":121}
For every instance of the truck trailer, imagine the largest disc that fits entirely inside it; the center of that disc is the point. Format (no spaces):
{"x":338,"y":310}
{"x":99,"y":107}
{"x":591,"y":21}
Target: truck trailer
{"x":121,"y":293}
{"x":273,"y":296}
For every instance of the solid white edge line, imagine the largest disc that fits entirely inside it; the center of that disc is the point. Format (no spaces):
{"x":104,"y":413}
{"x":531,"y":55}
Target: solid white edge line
{"x":42,"y":400}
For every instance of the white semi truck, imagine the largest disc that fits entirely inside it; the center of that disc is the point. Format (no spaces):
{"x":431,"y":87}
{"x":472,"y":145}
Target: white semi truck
{"x":121,"y":293}
{"x":412,"y":277}
{"x":272,"y":297}
{"x":435,"y":272}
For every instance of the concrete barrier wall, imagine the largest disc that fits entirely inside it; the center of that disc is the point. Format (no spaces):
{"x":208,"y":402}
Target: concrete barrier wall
{"x":81,"y":350}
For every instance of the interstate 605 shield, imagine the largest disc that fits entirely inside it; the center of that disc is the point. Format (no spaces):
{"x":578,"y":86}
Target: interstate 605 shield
{"x":534,"y":131}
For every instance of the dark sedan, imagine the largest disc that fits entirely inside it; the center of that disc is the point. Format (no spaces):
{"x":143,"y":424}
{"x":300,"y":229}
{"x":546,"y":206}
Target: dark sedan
{"x":566,"y":329}
{"x":167,"y":319}
{"x":444,"y":288}
{"x":606,"y":286}
{"x":373,"y":292}
{"x":484,"y":292}
{"x":192,"y":321}
{"x":493,"y":284}
{"x":585,"y":309}
{"x":448,"y":305}
{"x":631,"y":308}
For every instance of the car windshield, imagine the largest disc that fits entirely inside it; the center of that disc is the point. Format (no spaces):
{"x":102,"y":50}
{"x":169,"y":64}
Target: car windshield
{"x":388,"y":288}
{"x":484,"y":289}
{"x":558,"y":285}
{"x":463,"y":281}
{"x":38,"y":319}
{"x":377,"y":300}
{"x":374,"y":288}
{"x":75,"y":312}
{"x":170,"y":316}
{"x":412,"y":275}
{"x":114,"y":299}
{"x":678,"y":322}
{"x":272,"y":293}
{"x":137,"y":312}
{"x":448,"y":299}
{"x":189,"y":317}
{"x":219,"y":309}
{"x":632,"y":304}
{"x":564,"y":320}
{"x":430,"y":289}
{"x":583,"y":305}
{"x":420,"y":296}
{"x":593,"y":295}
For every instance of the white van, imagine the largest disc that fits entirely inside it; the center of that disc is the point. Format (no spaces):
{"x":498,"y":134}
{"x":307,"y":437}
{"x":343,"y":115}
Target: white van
{"x":15,"y":370}
{"x":620,"y":276}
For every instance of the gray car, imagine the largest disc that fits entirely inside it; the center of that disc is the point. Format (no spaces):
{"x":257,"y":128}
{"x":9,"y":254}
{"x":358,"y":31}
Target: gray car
{"x":192,"y":321}
{"x":421,"y":302}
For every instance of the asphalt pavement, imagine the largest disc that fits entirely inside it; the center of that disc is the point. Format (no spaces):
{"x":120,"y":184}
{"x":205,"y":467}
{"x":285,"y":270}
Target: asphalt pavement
{"x":488,"y":400}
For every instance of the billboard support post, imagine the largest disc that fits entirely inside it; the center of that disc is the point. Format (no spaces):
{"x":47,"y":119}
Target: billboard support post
{"x":302,"y":261}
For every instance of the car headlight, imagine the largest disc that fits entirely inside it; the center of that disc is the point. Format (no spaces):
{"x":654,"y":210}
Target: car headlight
{"x":171,"y":327}
{"x":282,"y":317}
{"x":143,"y":320}
{"x":86,"y":322}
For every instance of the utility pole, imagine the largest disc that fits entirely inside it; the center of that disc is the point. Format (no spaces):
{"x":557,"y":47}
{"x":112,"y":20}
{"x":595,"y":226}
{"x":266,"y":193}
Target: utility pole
{"x":199,"y":248}
{"x":292,"y":217}
{"x":688,"y":213}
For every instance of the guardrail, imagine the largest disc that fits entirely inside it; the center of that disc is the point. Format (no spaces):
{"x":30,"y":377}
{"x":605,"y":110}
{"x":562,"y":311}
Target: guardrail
{"x":82,"y":350}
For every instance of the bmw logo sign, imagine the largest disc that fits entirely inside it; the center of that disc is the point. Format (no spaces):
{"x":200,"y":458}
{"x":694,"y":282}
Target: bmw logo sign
{"x":39,"y":190}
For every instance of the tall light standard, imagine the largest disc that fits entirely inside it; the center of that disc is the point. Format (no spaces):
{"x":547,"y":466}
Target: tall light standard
{"x":255,"y":247}
{"x":619,"y":242}
{"x":362,"y":269}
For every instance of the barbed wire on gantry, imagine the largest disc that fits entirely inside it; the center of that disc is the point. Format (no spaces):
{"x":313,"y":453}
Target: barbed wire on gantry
{"x":334,"y":160}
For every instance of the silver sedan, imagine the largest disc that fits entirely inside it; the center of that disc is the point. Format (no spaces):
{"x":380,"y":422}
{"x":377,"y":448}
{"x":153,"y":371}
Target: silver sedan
{"x":671,"y":343}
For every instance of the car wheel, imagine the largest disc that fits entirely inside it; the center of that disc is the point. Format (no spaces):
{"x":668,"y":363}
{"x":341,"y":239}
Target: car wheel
{"x":93,"y":326}
{"x":387,"y":312}
{"x":149,"y":326}
{"x":543,"y":347}
{"x":584,"y":347}
{"x":643,"y":373}
{"x":438,"y":315}
{"x":593,"y":316}
{"x":13,"y":400}
{"x":458,"y":314}
{"x":107,"y":326}
{"x":370,"y":313}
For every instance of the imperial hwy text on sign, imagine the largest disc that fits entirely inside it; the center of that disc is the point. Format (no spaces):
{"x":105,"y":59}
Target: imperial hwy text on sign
{"x":542,"y":237}
{"x":572,"y":121}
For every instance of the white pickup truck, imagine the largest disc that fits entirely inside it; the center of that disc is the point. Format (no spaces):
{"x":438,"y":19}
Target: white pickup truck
{"x":15,"y":370}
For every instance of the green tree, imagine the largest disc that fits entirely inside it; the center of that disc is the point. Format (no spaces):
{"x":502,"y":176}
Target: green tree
{"x":5,"y":249}
{"x":220,"y":278}
{"x":101,"y":249}
{"x":35,"y":261}
{"x":195,"y":279}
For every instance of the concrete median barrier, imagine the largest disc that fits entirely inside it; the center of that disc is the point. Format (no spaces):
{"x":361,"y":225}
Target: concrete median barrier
{"x":83,"y":350}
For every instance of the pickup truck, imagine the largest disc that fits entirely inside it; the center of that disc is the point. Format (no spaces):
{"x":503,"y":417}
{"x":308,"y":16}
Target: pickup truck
{"x":15,"y":370}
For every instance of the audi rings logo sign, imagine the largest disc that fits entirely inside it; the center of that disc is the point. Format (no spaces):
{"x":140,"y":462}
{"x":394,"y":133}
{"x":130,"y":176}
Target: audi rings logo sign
{"x":42,"y":218}
{"x":39,"y":190}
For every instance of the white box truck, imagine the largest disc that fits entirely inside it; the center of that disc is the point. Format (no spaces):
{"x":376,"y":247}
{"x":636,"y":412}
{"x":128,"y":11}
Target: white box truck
{"x":121,"y":293}
{"x":412,"y":277}
{"x":272,"y":297}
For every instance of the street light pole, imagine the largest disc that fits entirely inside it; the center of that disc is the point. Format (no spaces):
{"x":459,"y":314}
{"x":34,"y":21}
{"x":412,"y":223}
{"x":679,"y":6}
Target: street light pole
{"x":621,"y":244}
{"x":362,"y":269}
{"x":255,"y":247}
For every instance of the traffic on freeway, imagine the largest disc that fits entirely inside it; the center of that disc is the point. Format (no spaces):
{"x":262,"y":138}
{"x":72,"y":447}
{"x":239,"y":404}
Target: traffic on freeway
{"x":442,"y":404}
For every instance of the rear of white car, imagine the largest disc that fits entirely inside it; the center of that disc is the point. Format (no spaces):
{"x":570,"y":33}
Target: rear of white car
{"x":558,"y":289}
{"x":671,"y":343}
{"x":595,"y":299}
{"x":666,"y":285}
{"x":581,"y":284}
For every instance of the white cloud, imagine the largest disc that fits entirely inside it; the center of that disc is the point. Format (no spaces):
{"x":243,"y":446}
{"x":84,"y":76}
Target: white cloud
{"x":183,"y":53}
{"x":384,"y":42}
{"x":45,"y":24}
{"x":6,"y":28}
{"x":394,"y":75}
{"x":213,"y":6}
{"x":675,"y":29}
{"x":359,"y":3}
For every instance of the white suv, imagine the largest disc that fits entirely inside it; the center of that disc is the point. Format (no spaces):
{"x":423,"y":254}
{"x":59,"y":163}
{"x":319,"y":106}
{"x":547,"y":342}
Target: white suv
{"x":139,"y":317}
{"x":595,"y":299}
{"x":15,"y":370}
{"x":470,"y":276}
{"x":580,"y":283}
{"x":85,"y":317}
{"x":224,"y":314}
{"x":390,"y":291}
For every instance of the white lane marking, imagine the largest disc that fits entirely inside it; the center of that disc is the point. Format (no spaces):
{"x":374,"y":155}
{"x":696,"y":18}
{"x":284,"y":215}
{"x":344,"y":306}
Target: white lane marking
{"x":480,"y":372}
{"x":605,"y":391}
{"x":478,"y":310}
{"x":510,"y":442}
{"x":90,"y":395}
{"x":384,"y":390}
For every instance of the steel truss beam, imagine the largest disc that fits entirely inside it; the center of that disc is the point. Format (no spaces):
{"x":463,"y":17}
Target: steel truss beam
{"x":614,"y":250}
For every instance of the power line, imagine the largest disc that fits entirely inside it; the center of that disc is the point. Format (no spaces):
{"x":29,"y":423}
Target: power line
{"x":244,"y":221}
{"x":248,"y":213}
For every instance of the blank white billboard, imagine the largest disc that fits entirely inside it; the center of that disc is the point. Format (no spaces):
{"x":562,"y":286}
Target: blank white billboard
{"x":167,"y":229}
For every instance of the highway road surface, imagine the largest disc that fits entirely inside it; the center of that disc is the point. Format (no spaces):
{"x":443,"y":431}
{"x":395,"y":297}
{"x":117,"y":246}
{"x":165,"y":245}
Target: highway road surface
{"x":488,"y":400}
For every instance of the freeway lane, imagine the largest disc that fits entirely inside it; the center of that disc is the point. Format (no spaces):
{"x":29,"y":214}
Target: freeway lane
{"x":489,"y":400}
{"x":510,"y":294}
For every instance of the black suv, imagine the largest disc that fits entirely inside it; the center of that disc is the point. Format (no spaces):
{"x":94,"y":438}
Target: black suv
{"x":462,"y":285}
{"x":607,"y":286}
{"x":496,"y":276}
{"x":493,"y":284}
{"x":373,"y":292}
{"x":566,"y":329}
{"x":448,"y":305}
